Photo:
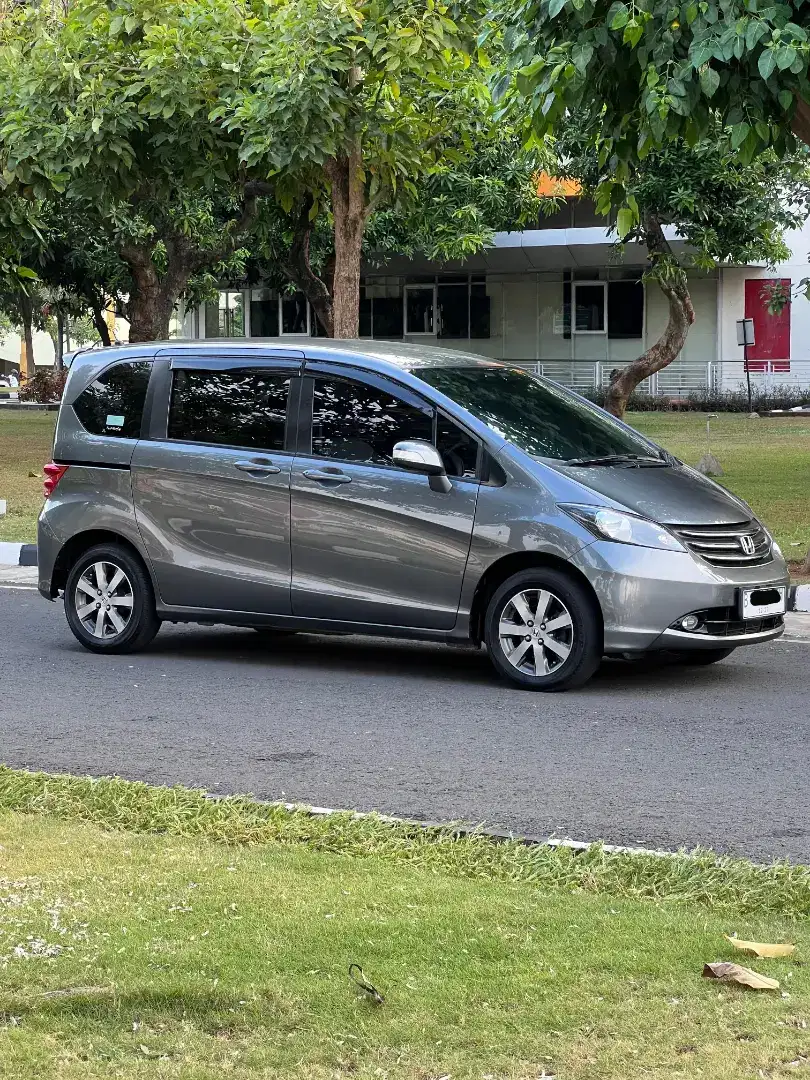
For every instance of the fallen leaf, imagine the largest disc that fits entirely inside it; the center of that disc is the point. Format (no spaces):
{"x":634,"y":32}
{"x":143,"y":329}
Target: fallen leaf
{"x":35,"y":476}
{"x":757,"y":948}
{"x":77,"y":991}
{"x":742,"y":975}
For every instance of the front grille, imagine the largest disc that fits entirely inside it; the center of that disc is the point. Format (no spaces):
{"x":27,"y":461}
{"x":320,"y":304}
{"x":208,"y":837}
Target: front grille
{"x":725,"y":545}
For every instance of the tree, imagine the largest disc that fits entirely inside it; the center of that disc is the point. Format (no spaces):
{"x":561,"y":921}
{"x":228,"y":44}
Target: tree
{"x":723,"y":210}
{"x":452,"y":213}
{"x":349,"y":107}
{"x":645,"y":75}
{"x":107,"y":108}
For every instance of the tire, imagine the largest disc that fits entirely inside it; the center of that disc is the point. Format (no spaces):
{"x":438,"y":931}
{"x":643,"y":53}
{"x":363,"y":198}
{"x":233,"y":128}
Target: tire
{"x":703,"y":657}
{"x":576,"y":651}
{"x":133,"y":592}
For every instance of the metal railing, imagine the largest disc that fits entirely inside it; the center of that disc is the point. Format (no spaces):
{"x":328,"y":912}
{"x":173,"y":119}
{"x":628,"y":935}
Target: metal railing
{"x":681,"y":378}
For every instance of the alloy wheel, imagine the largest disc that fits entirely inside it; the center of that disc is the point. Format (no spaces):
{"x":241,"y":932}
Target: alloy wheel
{"x":104,"y":600}
{"x":536,"y":632}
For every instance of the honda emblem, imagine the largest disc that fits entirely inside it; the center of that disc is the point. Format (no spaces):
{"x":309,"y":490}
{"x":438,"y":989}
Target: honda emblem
{"x":747,"y":544}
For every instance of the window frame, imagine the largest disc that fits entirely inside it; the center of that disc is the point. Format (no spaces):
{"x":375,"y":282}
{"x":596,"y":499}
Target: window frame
{"x":303,"y":446}
{"x":159,"y":403}
{"x":146,"y":408}
{"x":589,"y":284}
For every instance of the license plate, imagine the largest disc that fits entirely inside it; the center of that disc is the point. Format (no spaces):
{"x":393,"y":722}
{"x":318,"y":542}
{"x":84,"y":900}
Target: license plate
{"x":764,"y":600}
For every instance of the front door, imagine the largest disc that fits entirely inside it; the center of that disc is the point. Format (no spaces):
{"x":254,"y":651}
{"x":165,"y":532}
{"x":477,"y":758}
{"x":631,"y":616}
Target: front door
{"x":372,"y":543}
{"x":212,"y":496}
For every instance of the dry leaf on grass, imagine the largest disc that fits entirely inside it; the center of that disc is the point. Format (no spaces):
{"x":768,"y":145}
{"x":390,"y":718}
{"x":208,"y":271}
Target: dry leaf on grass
{"x":742,"y":975}
{"x":757,"y":948}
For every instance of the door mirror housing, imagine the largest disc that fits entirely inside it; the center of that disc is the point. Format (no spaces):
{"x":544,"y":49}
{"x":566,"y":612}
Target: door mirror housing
{"x":419,"y":456}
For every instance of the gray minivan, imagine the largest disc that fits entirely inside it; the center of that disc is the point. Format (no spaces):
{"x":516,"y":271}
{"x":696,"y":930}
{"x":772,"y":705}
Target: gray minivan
{"x":380,"y":488}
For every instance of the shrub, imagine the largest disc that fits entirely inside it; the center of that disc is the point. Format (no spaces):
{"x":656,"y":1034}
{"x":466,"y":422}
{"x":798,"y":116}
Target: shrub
{"x":763,"y":400}
{"x":45,"y":385}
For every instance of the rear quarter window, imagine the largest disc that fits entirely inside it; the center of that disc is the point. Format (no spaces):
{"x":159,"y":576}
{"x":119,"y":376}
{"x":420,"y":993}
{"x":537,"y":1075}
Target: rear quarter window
{"x":113,"y":404}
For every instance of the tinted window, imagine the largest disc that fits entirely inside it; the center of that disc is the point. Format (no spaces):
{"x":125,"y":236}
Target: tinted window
{"x":113,"y":404}
{"x":458,"y":449}
{"x":355,"y":422}
{"x":245,"y":407}
{"x":538,"y":417}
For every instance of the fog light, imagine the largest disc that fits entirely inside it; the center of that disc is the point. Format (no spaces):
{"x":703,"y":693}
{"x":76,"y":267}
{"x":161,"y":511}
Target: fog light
{"x":690,"y":622}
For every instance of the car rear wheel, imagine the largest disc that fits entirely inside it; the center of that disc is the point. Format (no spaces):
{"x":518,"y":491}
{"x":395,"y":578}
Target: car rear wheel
{"x":542,"y":631}
{"x":109,"y":603}
{"x":703,"y":657}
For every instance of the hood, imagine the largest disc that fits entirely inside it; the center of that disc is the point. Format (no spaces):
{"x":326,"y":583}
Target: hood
{"x":673,"y":495}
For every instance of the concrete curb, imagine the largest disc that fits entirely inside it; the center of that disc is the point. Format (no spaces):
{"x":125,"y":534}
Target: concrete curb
{"x":26,"y":555}
{"x":18,"y":554}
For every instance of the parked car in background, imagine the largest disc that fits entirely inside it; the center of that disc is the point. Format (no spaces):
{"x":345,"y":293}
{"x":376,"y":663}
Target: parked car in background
{"x":376,"y":488}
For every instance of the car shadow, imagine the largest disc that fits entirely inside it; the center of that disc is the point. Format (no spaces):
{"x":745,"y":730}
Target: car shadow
{"x":375,"y":656}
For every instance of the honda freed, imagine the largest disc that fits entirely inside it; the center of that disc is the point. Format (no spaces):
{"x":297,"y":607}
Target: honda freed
{"x":379,"y":488}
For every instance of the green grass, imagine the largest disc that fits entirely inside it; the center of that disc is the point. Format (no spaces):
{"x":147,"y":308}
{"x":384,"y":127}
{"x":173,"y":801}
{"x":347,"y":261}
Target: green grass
{"x":766,"y":462}
{"x":153,"y":933}
{"x":25,"y":446}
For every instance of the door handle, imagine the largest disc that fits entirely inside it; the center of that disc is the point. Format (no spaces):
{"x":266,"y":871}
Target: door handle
{"x":335,"y":477}
{"x":264,"y":468}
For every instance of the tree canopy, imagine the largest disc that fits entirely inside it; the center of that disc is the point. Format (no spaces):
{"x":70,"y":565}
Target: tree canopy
{"x":646,"y":74}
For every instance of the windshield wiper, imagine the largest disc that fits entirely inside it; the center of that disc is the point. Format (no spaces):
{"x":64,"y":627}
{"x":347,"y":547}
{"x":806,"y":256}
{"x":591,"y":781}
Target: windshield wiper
{"x":633,"y":460}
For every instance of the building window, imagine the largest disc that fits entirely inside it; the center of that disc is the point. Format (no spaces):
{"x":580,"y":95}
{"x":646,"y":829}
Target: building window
{"x":590,"y":307}
{"x":225,"y":316}
{"x":615,"y":308}
{"x":420,"y":310}
{"x":294,"y":315}
{"x":453,"y":308}
{"x":263,"y":313}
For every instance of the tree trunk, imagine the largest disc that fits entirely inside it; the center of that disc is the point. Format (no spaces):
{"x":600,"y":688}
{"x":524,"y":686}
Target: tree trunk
{"x":350,"y":210}
{"x":671,"y":342}
{"x":59,"y":362}
{"x":99,"y":322}
{"x":801,"y":121}
{"x":26,"y":312}
{"x":152,"y":300}
{"x":298,"y":269}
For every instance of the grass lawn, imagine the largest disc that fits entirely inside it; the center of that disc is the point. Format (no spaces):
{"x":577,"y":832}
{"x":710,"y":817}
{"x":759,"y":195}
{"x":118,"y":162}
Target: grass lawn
{"x":216,"y":941}
{"x":25,"y":446}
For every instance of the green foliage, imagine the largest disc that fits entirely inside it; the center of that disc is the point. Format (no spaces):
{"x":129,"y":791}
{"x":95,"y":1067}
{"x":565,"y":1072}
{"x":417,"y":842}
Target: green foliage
{"x":725,"y":210}
{"x":646,"y":74}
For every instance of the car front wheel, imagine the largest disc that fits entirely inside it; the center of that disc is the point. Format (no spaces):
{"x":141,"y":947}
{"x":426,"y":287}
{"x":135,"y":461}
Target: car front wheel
{"x":109,"y":603}
{"x":542,"y":631}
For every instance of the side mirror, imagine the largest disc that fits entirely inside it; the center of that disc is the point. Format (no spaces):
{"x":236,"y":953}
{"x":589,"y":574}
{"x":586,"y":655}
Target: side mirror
{"x":419,"y":456}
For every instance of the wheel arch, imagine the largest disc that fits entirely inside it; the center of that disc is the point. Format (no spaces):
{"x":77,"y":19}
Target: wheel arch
{"x":503,"y":568}
{"x":74,"y":548}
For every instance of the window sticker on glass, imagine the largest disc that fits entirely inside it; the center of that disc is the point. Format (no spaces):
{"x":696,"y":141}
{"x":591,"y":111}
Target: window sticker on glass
{"x":115,"y":421}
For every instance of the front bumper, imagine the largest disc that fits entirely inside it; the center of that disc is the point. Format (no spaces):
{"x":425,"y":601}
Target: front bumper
{"x":643,"y":592}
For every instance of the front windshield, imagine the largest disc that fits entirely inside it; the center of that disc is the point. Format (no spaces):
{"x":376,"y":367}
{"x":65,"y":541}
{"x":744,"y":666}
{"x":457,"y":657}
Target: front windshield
{"x":540,"y":418}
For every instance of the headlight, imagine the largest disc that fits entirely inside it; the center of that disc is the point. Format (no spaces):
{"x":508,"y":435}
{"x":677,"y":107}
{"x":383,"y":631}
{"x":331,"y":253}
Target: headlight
{"x":623,"y":528}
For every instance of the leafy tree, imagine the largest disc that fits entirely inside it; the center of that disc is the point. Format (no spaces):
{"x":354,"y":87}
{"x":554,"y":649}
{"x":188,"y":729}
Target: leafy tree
{"x":351,"y":106}
{"x":723,"y":210}
{"x":645,"y":74}
{"x":107,"y":106}
{"x":452,"y":213}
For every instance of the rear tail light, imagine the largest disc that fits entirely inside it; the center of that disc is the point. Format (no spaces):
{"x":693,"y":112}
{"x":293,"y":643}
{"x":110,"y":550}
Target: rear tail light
{"x":53,"y":474}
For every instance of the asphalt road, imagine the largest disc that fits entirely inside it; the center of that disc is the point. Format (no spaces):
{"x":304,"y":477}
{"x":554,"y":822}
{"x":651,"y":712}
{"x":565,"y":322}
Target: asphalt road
{"x":659,"y":756}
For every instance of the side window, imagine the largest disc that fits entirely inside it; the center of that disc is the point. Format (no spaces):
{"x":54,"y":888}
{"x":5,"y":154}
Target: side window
{"x":113,"y":404}
{"x":246,"y":407}
{"x":458,"y":449}
{"x":355,"y":422}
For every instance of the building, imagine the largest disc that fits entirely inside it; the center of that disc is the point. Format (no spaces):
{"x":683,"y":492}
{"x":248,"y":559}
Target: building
{"x":556,"y":298}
